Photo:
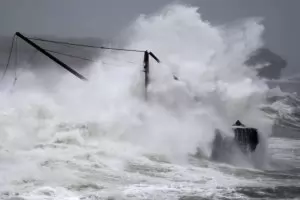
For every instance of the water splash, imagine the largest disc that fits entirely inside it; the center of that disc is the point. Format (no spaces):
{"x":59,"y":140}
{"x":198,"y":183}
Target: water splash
{"x":108,"y":116}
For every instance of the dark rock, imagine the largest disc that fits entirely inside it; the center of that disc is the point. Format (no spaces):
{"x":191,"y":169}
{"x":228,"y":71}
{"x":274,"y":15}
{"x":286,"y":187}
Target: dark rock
{"x":273,"y":63}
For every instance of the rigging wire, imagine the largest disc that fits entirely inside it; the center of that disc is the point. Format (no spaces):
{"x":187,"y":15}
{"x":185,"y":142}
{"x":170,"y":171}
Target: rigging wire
{"x":89,"y":46}
{"x":29,"y":60}
{"x":65,"y":54}
{"x":83,"y":58}
{"x":70,"y":55}
{"x":16,"y":63}
{"x":9,"y":57}
{"x":31,"y":57}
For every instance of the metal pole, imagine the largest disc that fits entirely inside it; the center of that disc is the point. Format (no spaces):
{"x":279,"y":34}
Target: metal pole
{"x":146,"y":70}
{"x":40,"y":49}
{"x":154,"y":57}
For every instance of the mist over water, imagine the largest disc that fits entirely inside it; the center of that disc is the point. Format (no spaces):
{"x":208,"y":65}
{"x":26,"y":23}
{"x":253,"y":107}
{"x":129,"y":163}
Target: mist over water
{"x":91,"y":131}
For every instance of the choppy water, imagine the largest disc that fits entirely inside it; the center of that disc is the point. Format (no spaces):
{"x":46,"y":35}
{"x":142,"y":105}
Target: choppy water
{"x":101,"y":140}
{"x":66,"y":171}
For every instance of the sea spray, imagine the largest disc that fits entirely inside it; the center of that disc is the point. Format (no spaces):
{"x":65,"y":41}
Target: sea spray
{"x":214,"y":89}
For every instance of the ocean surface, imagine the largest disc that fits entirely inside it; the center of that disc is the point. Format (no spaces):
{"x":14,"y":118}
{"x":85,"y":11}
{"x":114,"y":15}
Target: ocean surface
{"x":67,"y":139}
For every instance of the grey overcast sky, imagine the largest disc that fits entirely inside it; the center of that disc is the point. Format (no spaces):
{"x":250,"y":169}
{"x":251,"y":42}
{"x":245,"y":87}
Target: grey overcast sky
{"x":105,"y":18}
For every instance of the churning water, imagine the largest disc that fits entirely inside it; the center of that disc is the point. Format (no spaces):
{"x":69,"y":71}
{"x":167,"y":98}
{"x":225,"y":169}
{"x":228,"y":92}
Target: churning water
{"x":101,"y":140}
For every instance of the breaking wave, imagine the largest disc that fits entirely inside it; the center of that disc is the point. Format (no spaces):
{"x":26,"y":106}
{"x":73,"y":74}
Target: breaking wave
{"x":215,"y":88}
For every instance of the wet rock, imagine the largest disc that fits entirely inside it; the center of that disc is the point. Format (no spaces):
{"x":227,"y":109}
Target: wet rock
{"x":272,"y":63}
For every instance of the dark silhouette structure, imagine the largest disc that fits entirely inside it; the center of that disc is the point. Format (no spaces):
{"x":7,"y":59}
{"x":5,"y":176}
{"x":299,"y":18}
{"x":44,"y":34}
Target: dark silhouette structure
{"x":246,"y":137}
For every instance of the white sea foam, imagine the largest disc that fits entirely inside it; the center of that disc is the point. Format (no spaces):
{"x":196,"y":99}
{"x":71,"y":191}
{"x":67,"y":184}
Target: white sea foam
{"x":89,"y":131}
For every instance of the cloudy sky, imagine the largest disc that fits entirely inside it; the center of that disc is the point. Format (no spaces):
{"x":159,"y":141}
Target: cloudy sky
{"x":104,"y":18}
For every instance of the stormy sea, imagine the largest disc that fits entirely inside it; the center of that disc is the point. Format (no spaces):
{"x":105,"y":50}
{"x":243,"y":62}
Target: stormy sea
{"x":67,"y":139}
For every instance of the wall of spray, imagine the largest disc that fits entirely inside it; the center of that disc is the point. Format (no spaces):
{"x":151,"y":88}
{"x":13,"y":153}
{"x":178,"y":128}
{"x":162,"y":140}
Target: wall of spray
{"x":215,"y":88}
